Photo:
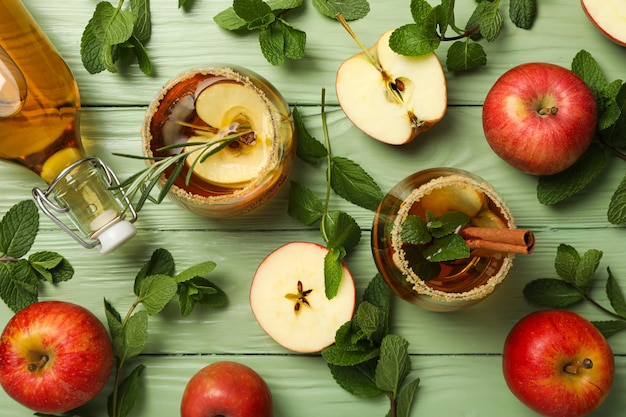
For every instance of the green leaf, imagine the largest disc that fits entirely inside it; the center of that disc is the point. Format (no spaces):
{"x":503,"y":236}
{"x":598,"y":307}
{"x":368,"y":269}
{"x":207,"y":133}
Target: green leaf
{"x":445,"y":15}
{"x":357,"y":380}
{"x":449,"y":223}
{"x":18,"y":229}
{"x":53,"y":267}
{"x":406,"y":397}
{"x":229,"y":20}
{"x":295,"y":40}
{"x":128,"y":393}
{"x":465,"y":55}
{"x":490,"y":20}
{"x":135,"y":335}
{"x":586,"y":270}
{"x":424,"y":269}
{"x":156,"y":291}
{"x":161,"y":263}
{"x":341,"y":230}
{"x":555,"y":188}
{"x":352,"y":183}
{"x":139,"y":50}
{"x":91,"y":50}
{"x":414,"y":231}
{"x":553,"y":293}
{"x":116,"y":329}
{"x":420,"y":10}
{"x":610,"y":327}
{"x":414,"y":40}
{"x":566,"y":262}
{"x":587,"y":68}
{"x":284,"y":4}
{"x":308,"y":148}
{"x":339,"y":356}
{"x":617,"y":206}
{"x":608,"y":108}
{"x":394,"y":363}
{"x":368,"y":319}
{"x":615,"y":134}
{"x":250,"y":10}
{"x":272,"y":42}
{"x":304,"y":205}
{"x":111,"y":25}
{"x":350,"y":9}
{"x":201,"y":291}
{"x":615,"y":295}
{"x":447,"y":248}
{"x":523,"y":13}
{"x":18,"y":284}
{"x":142,"y":26}
{"x":379,"y":294}
{"x":261,"y":22}
{"x":198,"y":270}
{"x":333,"y":272}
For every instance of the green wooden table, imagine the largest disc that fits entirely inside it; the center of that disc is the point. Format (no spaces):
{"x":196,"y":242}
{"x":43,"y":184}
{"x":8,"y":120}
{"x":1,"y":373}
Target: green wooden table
{"x":457,"y":355}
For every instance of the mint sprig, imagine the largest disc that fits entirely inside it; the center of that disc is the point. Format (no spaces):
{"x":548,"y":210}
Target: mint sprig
{"x":436,"y":24}
{"x":156,"y":284}
{"x":610,"y":141}
{"x":348,"y":180}
{"x":278,"y":39}
{"x":19,"y":277}
{"x":367,"y":360}
{"x":576,"y":273}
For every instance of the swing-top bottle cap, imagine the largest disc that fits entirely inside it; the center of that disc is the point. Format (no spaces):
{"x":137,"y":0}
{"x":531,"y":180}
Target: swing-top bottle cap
{"x":111,"y":231}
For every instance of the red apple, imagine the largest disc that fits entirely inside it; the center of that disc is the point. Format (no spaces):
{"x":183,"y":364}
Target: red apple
{"x":54,"y":356}
{"x":558,"y":364}
{"x":540,"y":118}
{"x":226,"y":389}
{"x":609,"y":16}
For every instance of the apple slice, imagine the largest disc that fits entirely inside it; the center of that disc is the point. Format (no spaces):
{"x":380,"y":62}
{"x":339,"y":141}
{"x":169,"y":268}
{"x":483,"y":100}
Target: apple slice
{"x":391,"y":97}
{"x":227,"y":106}
{"x":609,"y":16}
{"x":288,"y":300}
{"x":461,"y":198}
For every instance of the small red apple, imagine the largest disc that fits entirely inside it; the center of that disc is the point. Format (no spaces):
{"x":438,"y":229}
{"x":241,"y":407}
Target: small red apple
{"x":540,"y":118}
{"x":557,"y":363}
{"x":54,"y":356}
{"x":226,"y":389}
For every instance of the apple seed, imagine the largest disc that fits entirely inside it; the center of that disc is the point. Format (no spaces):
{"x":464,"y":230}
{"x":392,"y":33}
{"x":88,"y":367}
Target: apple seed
{"x":299,"y":298}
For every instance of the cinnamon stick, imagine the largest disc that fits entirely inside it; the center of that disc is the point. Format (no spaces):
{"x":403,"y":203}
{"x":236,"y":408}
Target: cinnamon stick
{"x":499,"y":240}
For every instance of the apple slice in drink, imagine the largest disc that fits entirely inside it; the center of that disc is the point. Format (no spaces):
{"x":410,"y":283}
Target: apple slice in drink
{"x":288,"y":299}
{"x":228,"y":106}
{"x":609,"y":16}
{"x":391,"y":97}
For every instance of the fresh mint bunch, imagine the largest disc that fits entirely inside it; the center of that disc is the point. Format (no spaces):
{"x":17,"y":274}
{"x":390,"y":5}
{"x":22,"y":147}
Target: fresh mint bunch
{"x":576,"y":273}
{"x":19,"y":276}
{"x":348,"y":180}
{"x":433,"y":24}
{"x":277,"y":38}
{"x":435,"y":240}
{"x":610,"y":140}
{"x":155,"y":286}
{"x":367,"y":360}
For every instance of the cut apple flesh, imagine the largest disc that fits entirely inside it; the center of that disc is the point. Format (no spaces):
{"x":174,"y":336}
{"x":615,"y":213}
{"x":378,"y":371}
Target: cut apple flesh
{"x":288,"y":299}
{"x":396,"y":100}
{"x":232,"y":107}
{"x":609,"y":16}
{"x":465,"y":199}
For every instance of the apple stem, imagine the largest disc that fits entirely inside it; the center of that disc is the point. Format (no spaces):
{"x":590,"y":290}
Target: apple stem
{"x":35,"y":366}
{"x":366,"y":51}
{"x":548,"y":111}
{"x":573,"y":368}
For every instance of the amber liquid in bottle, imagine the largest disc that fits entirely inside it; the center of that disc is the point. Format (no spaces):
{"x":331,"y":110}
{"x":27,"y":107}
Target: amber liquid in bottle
{"x":39,"y":99}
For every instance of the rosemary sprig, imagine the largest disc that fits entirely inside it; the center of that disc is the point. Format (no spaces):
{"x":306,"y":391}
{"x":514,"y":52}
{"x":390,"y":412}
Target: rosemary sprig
{"x":141,"y":183}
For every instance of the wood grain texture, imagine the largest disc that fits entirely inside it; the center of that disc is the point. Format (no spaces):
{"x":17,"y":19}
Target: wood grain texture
{"x":457,"y":355}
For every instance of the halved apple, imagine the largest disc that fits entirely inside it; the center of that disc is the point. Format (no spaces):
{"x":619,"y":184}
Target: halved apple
{"x":391,"y":97}
{"x":609,"y":16}
{"x":230,"y":107}
{"x":288,"y":300}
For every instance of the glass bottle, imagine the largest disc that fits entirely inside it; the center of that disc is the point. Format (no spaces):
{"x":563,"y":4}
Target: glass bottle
{"x":39,"y":130}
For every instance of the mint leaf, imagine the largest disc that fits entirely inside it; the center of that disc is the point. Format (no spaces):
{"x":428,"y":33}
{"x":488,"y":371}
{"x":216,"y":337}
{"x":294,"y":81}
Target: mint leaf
{"x":304,"y":205}
{"x":566,"y":262}
{"x":394,"y":363}
{"x":490,"y":20}
{"x":414,"y":231}
{"x":423,"y":268}
{"x":447,"y":248}
{"x":378,"y":294}
{"x":308,"y":148}
{"x":351,"y":182}
{"x":161,"y":263}
{"x":262,"y":22}
{"x":356,"y":380}
{"x":18,"y":229}
{"x":609,"y":109}
{"x":295,"y":40}
{"x":272,"y":42}
{"x":523,"y":13}
{"x":250,"y":10}
{"x":465,"y":55}
{"x":128,"y":393}
{"x":198,"y":270}
{"x":615,"y":295}
{"x":420,"y":10}
{"x":201,"y":291}
{"x":553,"y":189}
{"x":139,"y":50}
{"x":52,"y":267}
{"x":341,"y":230}
{"x":406,"y":397}
{"x":156,"y":291}
{"x":276,"y":5}
{"x":229,"y":20}
{"x":587,"y":267}
{"x":142,"y":26}
{"x":91,"y":50}
{"x":414,"y":40}
{"x":615,"y":135}
{"x":18,"y":284}
{"x":350,"y":9}
{"x":617,"y":206}
{"x":333,"y":271}
{"x":552,"y":293}
{"x":135,"y":335}
{"x":116,"y":328}
{"x":588,"y":69}
{"x":111,"y":25}
{"x":368,"y":320}
{"x":339,"y":356}
{"x":610,"y":327}
{"x":449,"y":223}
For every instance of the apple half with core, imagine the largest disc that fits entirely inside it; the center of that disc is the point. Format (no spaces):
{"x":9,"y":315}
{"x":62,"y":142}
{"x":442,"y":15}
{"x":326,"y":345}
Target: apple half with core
{"x":540,"y":118}
{"x":289,"y":302}
{"x":391,"y":97}
{"x":54,"y":356}
{"x":558,"y":364}
{"x":226,"y":389}
{"x":609,"y":16}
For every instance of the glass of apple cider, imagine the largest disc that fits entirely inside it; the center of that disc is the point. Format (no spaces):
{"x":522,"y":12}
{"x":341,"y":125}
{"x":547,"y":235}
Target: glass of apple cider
{"x":205,"y":106}
{"x":457,"y":283}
